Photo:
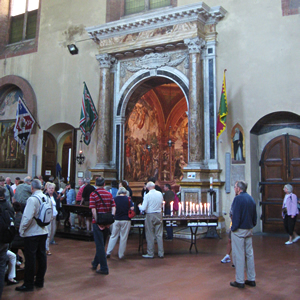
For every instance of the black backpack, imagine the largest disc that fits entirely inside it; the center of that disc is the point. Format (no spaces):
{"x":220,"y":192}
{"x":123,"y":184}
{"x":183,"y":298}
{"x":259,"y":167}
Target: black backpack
{"x":7,"y":226}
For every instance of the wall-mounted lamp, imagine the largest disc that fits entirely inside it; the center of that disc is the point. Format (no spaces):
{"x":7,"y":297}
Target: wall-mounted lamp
{"x":73,"y":49}
{"x":80,"y":157}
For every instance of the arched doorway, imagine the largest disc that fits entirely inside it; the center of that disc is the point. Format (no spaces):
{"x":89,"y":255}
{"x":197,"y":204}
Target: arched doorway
{"x":156,"y":132}
{"x":280,"y":164}
{"x":59,"y":152}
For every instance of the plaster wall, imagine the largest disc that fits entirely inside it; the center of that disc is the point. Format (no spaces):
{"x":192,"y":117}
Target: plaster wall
{"x":256,"y":44}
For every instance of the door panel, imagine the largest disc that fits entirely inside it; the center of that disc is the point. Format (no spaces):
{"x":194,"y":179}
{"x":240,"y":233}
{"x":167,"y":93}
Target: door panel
{"x":280,"y":164}
{"x":49,"y":155}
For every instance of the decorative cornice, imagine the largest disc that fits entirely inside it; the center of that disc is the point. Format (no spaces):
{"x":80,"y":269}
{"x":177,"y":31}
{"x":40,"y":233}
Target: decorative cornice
{"x":170,"y":16}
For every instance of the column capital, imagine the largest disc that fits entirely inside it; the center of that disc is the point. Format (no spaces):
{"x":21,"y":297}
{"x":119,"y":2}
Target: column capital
{"x":195,"y":44}
{"x":105,"y":60}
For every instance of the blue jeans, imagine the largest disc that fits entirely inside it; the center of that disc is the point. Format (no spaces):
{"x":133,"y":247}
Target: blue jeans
{"x":100,"y":237}
{"x":3,"y":260}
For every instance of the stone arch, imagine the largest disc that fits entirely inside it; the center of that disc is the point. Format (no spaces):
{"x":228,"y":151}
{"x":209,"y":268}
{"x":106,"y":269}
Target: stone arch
{"x":142,"y":76}
{"x":29,"y":96}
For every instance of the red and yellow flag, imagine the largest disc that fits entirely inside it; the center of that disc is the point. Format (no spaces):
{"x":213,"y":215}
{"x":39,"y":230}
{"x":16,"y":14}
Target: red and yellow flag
{"x":223,"y":110}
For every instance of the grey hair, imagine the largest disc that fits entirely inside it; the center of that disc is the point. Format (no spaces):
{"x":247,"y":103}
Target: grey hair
{"x":242,"y":185}
{"x":122,"y":190}
{"x":87,"y":180}
{"x":50,"y":184}
{"x":150,"y":184}
{"x":288,"y":187}
{"x":27,"y":179}
{"x":36,"y":184}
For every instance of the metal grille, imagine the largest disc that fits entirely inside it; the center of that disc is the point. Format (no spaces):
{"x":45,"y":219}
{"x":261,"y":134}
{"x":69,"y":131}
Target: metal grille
{"x":134,"y":6}
{"x":159,"y":3}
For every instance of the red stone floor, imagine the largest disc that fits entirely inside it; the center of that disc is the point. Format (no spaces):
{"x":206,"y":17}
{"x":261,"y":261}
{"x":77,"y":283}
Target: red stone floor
{"x":180,"y":275}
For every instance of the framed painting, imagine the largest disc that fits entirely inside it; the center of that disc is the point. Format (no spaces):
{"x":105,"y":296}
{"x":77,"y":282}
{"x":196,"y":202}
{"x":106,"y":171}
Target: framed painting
{"x":12,"y":157}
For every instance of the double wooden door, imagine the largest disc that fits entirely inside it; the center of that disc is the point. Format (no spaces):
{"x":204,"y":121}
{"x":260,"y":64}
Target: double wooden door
{"x":280,"y":164}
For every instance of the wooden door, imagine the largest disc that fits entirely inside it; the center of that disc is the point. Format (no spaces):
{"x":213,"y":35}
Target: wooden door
{"x":280,"y":164}
{"x":49,"y":159}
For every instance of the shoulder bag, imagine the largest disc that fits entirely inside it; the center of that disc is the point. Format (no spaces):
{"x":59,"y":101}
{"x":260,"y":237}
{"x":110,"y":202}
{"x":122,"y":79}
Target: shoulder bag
{"x":131,"y":212}
{"x":104,"y":218}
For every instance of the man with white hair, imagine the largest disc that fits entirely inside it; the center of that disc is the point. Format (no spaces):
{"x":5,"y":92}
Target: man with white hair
{"x":23,"y":192}
{"x":152,"y":205}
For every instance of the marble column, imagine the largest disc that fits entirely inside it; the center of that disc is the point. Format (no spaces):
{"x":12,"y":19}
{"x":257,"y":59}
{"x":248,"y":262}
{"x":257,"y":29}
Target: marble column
{"x":196,"y":104}
{"x":104,"y":112}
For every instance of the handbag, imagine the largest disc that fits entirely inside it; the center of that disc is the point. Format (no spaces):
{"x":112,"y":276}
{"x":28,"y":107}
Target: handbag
{"x":131,"y":212}
{"x":104,"y":218}
{"x":284,"y":211}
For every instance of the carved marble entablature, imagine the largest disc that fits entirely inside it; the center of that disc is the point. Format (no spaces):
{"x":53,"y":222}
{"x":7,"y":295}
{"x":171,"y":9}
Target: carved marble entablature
{"x":154,"y":61}
{"x":146,"y":30}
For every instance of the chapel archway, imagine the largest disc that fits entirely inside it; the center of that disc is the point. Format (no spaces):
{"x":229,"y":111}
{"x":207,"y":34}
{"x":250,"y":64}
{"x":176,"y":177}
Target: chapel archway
{"x":156,"y":132}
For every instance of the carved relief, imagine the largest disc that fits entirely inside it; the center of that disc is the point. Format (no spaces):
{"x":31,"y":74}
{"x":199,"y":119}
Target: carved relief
{"x":144,"y":35}
{"x":195,"y":45}
{"x":105,"y":60}
{"x":154,"y":61}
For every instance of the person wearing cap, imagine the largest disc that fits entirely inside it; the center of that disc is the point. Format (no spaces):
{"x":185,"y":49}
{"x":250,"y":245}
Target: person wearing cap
{"x":8,"y":190}
{"x":152,"y":205}
{"x":106,"y":205}
{"x":23,"y":192}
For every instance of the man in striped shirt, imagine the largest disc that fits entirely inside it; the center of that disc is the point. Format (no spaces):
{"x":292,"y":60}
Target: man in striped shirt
{"x":101,"y":232}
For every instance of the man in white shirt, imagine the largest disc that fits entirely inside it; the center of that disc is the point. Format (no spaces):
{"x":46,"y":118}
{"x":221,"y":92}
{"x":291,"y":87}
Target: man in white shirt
{"x":152,"y":205}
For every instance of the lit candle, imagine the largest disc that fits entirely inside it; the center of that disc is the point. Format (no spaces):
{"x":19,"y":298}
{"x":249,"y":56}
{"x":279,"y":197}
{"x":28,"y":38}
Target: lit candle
{"x":164,"y":203}
{"x":204,"y":208}
{"x":208,"y":212}
{"x":191,"y":208}
{"x":194,"y":208}
{"x":179,"y":209}
{"x":186,"y":208}
{"x":171,"y":207}
{"x":211,"y":183}
{"x":201,"y":209}
{"x":69,"y":165}
{"x":197,"y":209}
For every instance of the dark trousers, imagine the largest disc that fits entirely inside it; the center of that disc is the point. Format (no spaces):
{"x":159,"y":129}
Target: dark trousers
{"x":100,"y":237}
{"x":34,"y":248}
{"x":3,"y":260}
{"x":169,"y":229}
{"x":289,"y":224}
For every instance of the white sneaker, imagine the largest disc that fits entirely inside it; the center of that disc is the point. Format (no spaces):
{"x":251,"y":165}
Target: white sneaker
{"x":147,"y":256}
{"x":296,"y":239}
{"x":226,"y":259}
{"x":288,"y":243}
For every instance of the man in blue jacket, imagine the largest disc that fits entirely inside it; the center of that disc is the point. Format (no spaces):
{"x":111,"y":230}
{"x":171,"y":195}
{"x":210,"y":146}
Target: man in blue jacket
{"x":243,"y":220}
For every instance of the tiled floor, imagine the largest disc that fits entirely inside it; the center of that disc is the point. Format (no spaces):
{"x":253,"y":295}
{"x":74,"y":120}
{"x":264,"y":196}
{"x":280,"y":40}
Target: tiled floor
{"x":180,"y":275}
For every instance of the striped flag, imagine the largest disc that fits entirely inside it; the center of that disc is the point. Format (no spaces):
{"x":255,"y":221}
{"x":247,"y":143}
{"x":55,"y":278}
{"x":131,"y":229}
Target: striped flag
{"x":88,"y":115}
{"x":24,"y":124}
{"x":223,"y":110}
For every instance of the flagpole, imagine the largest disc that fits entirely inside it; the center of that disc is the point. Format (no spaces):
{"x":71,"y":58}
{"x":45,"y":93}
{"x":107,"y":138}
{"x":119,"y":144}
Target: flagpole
{"x":31,"y":113}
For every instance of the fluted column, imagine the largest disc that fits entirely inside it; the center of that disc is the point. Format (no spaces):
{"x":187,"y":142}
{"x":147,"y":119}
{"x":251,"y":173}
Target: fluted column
{"x":196,"y":104}
{"x":104,"y":112}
